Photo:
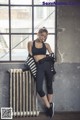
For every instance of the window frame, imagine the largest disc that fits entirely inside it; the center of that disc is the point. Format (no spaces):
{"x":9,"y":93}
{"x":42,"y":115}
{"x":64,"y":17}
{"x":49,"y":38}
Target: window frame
{"x":9,"y":5}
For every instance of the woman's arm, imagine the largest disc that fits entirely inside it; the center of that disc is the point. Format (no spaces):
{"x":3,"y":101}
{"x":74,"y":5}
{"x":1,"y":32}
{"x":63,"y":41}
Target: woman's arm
{"x":48,"y":48}
{"x":51,"y":53}
{"x":30,"y":43}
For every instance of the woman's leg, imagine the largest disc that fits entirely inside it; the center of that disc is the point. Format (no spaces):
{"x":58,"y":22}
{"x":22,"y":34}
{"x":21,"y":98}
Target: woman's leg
{"x":49,"y":83}
{"x":39,"y":84}
{"x":50,"y":98}
{"x":49,"y":90}
{"x":46,"y":102}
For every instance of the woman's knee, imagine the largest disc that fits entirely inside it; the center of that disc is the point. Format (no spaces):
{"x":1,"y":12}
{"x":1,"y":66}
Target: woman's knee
{"x":40,"y":92}
{"x":50,"y":89}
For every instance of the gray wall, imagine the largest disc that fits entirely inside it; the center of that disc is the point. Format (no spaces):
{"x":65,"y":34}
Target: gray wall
{"x":68,"y":38}
{"x":67,"y":80}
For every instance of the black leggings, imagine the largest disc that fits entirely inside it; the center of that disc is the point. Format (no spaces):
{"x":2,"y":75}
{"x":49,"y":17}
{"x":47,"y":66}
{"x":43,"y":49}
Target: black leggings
{"x":44,"y":70}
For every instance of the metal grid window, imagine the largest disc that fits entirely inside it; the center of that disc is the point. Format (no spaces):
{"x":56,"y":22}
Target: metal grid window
{"x":19,"y":23}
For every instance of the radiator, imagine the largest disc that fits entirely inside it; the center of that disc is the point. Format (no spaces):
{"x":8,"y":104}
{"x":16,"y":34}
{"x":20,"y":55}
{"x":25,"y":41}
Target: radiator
{"x":23,"y":99}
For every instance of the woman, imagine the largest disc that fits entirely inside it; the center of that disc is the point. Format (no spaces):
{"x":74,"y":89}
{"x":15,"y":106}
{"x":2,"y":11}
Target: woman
{"x":37,"y":49}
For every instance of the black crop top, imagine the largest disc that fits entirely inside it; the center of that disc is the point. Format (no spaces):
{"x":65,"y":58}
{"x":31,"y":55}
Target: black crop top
{"x":38,"y":51}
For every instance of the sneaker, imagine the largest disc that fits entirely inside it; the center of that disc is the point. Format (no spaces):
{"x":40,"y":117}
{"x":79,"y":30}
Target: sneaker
{"x":50,"y":111}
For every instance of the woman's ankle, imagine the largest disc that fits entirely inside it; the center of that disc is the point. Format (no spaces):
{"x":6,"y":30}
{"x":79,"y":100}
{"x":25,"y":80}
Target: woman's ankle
{"x":48,"y":105}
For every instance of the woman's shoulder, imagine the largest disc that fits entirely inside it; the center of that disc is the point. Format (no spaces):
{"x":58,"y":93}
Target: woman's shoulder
{"x":47,"y":44}
{"x":30,"y":43}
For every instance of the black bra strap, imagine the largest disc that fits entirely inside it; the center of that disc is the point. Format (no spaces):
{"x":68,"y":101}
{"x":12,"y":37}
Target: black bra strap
{"x":44,"y":45}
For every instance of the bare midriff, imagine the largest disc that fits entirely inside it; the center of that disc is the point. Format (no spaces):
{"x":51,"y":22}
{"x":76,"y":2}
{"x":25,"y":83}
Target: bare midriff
{"x":39,"y":57}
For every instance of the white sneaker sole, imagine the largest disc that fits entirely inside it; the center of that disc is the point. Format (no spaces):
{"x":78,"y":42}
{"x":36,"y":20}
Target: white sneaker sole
{"x":53,"y":109}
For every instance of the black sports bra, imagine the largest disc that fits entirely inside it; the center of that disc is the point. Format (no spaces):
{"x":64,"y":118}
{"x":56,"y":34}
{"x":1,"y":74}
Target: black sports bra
{"x":38,"y":51}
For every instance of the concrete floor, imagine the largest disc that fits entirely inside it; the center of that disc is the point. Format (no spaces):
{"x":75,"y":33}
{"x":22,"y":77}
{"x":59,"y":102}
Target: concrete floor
{"x":57,"y":116}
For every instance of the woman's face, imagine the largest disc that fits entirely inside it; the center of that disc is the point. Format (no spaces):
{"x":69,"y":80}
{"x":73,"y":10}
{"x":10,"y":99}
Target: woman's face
{"x":42,"y":36}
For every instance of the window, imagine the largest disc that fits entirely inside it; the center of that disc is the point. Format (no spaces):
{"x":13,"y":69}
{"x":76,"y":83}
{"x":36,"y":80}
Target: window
{"x":19,"y":23}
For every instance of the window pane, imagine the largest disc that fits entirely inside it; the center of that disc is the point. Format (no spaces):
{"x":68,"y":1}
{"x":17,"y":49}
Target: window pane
{"x":19,"y":46}
{"x":44,"y":16}
{"x":50,"y":40}
{"x":21,"y":19}
{"x":3,"y":1}
{"x":4,"y":20}
{"x":21,"y":2}
{"x":40,"y":2}
{"x":4,"y":47}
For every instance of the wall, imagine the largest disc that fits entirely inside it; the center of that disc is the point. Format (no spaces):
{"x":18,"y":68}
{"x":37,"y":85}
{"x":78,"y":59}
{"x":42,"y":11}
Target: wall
{"x":67,"y":79}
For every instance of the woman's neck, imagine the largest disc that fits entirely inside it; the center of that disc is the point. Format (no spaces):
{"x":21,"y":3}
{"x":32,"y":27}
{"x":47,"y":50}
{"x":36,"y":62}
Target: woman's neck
{"x":38,"y":40}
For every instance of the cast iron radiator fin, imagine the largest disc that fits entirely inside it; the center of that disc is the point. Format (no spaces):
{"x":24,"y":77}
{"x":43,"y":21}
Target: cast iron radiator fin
{"x":23,"y":99}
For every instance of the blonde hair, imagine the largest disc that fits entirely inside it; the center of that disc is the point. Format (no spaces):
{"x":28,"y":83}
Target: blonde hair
{"x":43,"y":29}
